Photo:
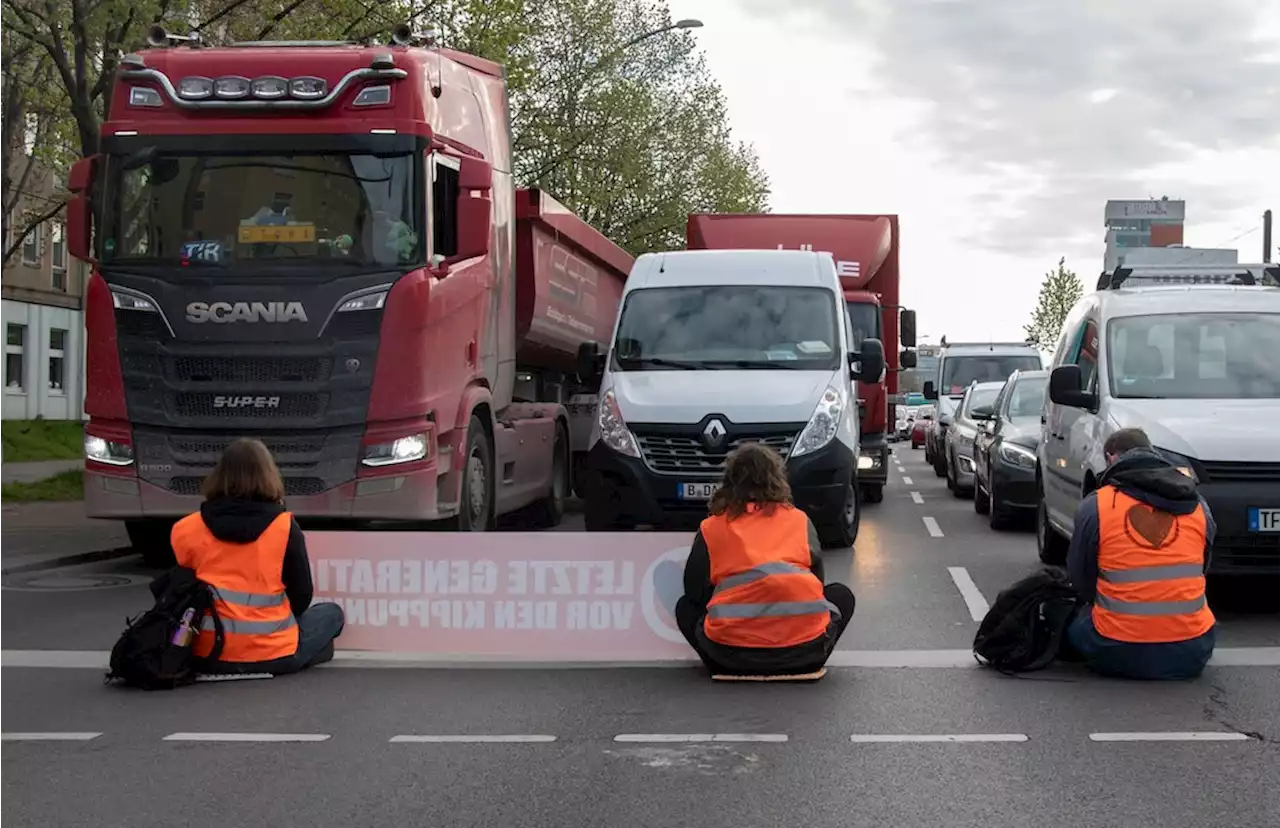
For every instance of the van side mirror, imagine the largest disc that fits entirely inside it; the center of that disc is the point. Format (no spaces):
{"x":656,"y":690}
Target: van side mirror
{"x":982,"y":412}
{"x":79,"y":224}
{"x":590,"y":361}
{"x":1066,"y":388}
{"x":907,"y":328}
{"x":907,"y":359}
{"x":930,"y":390}
{"x":475,"y":207}
{"x":869,"y":360}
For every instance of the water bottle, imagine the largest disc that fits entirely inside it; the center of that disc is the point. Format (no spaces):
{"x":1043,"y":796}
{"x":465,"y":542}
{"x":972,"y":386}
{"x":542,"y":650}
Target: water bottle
{"x":182,"y":635}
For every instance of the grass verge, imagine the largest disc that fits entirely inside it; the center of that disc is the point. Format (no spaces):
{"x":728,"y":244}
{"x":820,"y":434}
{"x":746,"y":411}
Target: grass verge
{"x":27,"y":440}
{"x":66,"y":486}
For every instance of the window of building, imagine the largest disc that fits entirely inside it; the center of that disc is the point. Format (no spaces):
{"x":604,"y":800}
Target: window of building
{"x":31,"y":247}
{"x":16,"y":337}
{"x":58,"y":249}
{"x":57,"y":352}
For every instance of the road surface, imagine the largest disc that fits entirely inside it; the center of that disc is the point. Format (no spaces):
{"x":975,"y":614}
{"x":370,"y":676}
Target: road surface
{"x":930,"y":741}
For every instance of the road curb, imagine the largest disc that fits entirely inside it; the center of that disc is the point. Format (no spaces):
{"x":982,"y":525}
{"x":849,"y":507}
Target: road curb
{"x":68,"y":560}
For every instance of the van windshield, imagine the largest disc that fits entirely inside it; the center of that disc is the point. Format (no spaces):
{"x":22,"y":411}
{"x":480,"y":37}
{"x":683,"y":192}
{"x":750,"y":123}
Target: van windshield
{"x":728,"y":327}
{"x":959,"y":371}
{"x":1212,"y":356}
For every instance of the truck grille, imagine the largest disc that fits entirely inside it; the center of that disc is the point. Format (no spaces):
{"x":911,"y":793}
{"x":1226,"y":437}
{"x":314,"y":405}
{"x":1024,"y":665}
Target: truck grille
{"x":1220,"y":472}
{"x":684,"y":454}
{"x":232,"y":406}
{"x":293,"y":486}
{"x":250,"y":370}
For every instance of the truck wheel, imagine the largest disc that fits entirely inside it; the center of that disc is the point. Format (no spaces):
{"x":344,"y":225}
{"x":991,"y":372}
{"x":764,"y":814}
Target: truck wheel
{"x":550,"y":511}
{"x":150,"y":538}
{"x":872,"y":493}
{"x":1051,"y":546}
{"x":842,"y":530}
{"x":475,"y":510}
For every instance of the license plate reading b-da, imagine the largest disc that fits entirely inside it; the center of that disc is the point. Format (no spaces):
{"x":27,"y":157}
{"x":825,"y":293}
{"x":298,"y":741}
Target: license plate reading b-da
{"x":1264,"y":520}
{"x":697,"y":491}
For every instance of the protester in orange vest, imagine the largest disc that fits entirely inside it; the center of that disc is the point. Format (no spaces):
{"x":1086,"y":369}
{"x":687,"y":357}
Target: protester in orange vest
{"x":252,"y":553}
{"x":1138,"y":556}
{"x":754,"y":601}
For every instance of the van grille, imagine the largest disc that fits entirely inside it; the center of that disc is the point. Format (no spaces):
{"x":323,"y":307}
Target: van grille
{"x":684,"y":454}
{"x":1220,"y":472}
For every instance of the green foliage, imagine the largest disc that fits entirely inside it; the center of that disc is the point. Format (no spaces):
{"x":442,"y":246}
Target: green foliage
{"x":1059,"y":292}
{"x":66,"y":486}
{"x":26,"y":440}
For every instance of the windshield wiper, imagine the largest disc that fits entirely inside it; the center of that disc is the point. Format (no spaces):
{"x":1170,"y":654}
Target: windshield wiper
{"x":660,"y":362}
{"x":752,"y":364}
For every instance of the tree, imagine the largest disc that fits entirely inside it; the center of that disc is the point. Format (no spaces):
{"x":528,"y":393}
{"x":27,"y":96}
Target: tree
{"x":1059,"y":292}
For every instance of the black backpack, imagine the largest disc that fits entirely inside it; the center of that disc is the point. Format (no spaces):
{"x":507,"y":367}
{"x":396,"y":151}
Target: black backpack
{"x":1024,"y":628}
{"x":146,"y":655}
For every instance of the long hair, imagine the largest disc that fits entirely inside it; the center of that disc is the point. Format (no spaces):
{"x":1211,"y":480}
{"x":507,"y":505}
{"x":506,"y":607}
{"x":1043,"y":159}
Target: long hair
{"x":752,"y":474}
{"x":246,"y":471}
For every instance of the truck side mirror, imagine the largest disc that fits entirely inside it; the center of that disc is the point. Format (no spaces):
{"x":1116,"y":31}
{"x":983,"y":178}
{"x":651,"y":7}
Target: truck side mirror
{"x":1066,"y":387}
{"x":870,"y":361}
{"x":80,"y":208}
{"x":475,"y":207}
{"x":907,"y":328}
{"x":590,"y":361}
{"x":930,"y":390}
{"x":907,"y":359}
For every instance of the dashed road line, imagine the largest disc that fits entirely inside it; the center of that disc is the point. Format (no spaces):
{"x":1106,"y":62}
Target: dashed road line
{"x":885,"y":738}
{"x":700,"y":737}
{"x":512,"y":738}
{"x":1172,"y":736}
{"x":247,"y":737}
{"x":48,"y":737}
{"x":906,"y":481}
{"x":973,"y":598}
{"x":917,"y":498}
{"x":935,"y":531}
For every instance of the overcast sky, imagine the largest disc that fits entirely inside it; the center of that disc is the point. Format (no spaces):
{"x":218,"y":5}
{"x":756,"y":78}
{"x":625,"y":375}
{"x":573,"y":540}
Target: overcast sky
{"x":997,"y":129}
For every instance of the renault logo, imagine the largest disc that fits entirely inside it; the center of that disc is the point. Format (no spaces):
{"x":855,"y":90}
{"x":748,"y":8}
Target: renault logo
{"x":714,"y":433}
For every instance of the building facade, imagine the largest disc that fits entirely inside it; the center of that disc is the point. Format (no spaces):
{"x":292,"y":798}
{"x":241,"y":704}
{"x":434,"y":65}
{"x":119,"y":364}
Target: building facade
{"x":1148,"y":223}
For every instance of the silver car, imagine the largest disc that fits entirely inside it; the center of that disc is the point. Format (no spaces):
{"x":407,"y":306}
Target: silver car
{"x":960,"y":437}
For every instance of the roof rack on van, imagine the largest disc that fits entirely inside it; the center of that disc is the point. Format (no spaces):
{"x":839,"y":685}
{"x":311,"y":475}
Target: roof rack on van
{"x":991,"y":345}
{"x":1265,"y":274}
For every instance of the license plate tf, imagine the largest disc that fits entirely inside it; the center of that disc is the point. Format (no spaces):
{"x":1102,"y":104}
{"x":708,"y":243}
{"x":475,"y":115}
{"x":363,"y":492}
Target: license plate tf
{"x":1264,"y":520}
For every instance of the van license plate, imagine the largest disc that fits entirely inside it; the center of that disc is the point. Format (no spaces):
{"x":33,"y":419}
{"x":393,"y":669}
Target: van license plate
{"x":1264,"y":520}
{"x":697,"y":491}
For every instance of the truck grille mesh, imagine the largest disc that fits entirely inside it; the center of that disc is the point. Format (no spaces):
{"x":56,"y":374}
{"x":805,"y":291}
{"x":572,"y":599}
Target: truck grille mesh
{"x":295,"y":486}
{"x":683,"y":454}
{"x":250,"y":370}
{"x":290,"y":406}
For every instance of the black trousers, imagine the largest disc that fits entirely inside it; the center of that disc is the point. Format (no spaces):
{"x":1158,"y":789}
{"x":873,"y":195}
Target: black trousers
{"x":802,"y":658}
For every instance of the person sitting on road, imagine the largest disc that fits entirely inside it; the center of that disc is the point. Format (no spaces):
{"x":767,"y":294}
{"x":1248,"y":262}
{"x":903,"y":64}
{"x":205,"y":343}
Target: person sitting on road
{"x":1138,"y":558}
{"x":253,"y":554}
{"x":754,"y":602}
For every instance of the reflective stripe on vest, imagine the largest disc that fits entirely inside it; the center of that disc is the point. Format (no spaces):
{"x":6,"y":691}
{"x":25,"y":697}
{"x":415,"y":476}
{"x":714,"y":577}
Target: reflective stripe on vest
{"x":248,"y":588}
{"x":764,"y":593}
{"x":1151,"y":586}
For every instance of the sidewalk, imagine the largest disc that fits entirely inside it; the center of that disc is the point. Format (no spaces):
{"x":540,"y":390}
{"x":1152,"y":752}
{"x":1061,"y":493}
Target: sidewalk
{"x":44,"y":535}
{"x":36,"y":471}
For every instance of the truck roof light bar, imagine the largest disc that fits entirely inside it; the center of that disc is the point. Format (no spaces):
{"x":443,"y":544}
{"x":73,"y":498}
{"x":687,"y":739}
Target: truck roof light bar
{"x":235,"y":92}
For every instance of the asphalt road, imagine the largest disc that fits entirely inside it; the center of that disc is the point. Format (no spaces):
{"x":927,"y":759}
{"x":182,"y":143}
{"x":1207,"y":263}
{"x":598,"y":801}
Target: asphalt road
{"x":663,"y":746}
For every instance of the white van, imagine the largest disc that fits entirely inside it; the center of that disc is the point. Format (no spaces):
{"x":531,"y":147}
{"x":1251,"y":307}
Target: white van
{"x":1191,"y":355}
{"x":714,"y":348}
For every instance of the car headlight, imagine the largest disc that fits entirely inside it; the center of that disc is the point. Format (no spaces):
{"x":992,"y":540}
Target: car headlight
{"x":1181,"y":462}
{"x":1018,"y":455}
{"x":613,"y":429}
{"x":401,"y":450}
{"x":824,"y":423}
{"x":107,"y":451}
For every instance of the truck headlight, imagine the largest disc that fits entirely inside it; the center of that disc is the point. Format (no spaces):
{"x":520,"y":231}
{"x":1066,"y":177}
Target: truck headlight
{"x":1018,"y":455}
{"x":824,"y":423}
{"x":613,"y":429}
{"x":401,"y":450}
{"x":107,"y":451}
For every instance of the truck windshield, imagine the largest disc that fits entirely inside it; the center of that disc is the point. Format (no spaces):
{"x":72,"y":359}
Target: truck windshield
{"x":864,"y":322}
{"x":1195,"y":356}
{"x":730,"y":327}
{"x":959,"y":371}
{"x":224,"y":209}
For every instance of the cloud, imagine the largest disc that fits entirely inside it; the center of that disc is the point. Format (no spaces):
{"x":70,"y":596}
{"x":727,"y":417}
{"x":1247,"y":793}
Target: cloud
{"x":1066,"y":104}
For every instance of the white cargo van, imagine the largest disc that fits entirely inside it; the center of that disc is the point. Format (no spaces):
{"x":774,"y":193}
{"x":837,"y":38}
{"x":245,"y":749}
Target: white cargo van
{"x":714,"y":348}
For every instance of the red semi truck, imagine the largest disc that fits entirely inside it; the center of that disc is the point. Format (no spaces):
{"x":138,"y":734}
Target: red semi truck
{"x":866,"y":252}
{"x":321,"y":245}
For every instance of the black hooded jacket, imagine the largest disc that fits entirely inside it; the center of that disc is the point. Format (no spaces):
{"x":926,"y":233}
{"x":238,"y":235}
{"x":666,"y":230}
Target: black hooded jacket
{"x":1143,"y":475}
{"x":242,"y":521}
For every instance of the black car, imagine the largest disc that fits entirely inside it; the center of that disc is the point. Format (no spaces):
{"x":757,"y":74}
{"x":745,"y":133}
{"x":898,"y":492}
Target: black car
{"x":1004,"y":453}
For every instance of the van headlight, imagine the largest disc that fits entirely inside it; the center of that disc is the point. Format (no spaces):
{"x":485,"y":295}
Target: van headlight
{"x":824,"y":423}
{"x":613,"y":429}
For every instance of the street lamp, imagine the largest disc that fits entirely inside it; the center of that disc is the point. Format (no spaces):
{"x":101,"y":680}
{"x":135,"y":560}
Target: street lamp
{"x":688,"y":23}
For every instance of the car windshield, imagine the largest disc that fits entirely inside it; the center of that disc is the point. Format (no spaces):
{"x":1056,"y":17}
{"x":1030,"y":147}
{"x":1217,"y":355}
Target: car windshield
{"x":1195,"y":356}
{"x":728,"y":327}
{"x":979,"y":397}
{"x":959,"y":371}
{"x":224,"y":209}
{"x":864,"y":322}
{"x":1027,"y":399}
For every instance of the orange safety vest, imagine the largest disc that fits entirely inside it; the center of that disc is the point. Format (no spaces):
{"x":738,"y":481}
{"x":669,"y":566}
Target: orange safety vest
{"x":765,"y":594}
{"x":1151,"y":585}
{"x":248,"y":588}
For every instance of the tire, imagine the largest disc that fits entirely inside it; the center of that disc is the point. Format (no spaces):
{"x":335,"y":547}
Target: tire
{"x":550,"y":510}
{"x":842,"y":530}
{"x":150,"y":538}
{"x":872,"y":493}
{"x":475,"y":508}
{"x":1051,"y":546}
{"x":940,"y":465}
{"x":1001,"y":517}
{"x":981,"y":500}
{"x":950,"y":468}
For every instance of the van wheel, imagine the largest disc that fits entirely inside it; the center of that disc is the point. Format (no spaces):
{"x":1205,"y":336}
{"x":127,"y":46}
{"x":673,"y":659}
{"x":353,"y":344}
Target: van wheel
{"x":1051,"y":546}
{"x":550,"y":510}
{"x":842,"y":530}
{"x":475,"y":510}
{"x":150,"y":538}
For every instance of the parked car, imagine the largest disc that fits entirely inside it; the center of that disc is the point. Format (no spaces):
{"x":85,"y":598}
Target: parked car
{"x":1004,"y":453}
{"x":962,"y":433}
{"x":920,"y":426}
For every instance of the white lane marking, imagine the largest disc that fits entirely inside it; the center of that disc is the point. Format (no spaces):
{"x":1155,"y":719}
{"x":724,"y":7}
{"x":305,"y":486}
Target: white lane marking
{"x":1190,"y":736}
{"x":917,"y":498}
{"x":874,"y":738}
{"x":906,"y":480}
{"x":700,"y":737}
{"x":969,"y":591}
{"x":935,"y":531}
{"x":48,"y":737}
{"x":477,"y":739}
{"x":247,"y":737}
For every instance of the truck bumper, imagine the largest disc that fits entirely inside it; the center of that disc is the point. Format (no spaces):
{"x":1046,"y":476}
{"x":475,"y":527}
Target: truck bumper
{"x":409,"y":496}
{"x":873,"y":459}
{"x":1237,"y":550}
{"x":623,"y":490}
